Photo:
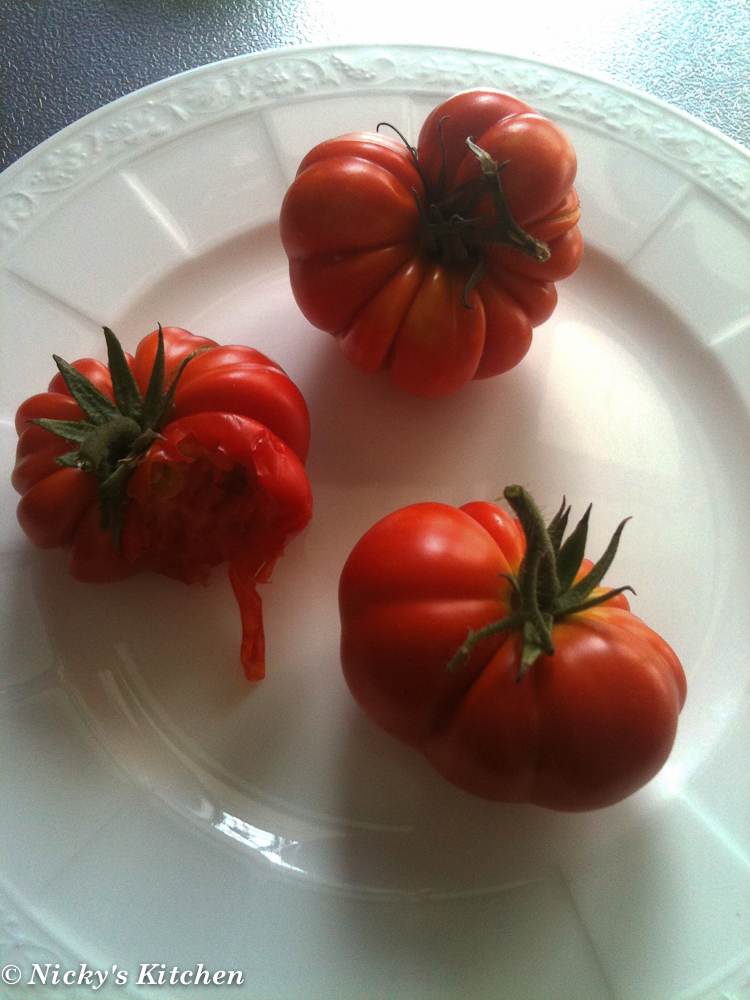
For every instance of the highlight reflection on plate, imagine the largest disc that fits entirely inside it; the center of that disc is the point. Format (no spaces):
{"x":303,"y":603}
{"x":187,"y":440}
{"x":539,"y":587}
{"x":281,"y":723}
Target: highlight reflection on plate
{"x":157,"y":805}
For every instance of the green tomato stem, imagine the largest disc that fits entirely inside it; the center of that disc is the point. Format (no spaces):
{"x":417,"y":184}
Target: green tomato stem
{"x":115,"y":438}
{"x":544,"y":591}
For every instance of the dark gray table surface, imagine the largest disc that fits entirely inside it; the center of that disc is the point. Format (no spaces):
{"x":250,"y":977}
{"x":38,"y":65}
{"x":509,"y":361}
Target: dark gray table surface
{"x":60,"y":59}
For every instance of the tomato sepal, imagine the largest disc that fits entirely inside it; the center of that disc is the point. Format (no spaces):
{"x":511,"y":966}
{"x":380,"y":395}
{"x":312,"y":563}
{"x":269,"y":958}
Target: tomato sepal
{"x":115,"y":437}
{"x":546,"y":589}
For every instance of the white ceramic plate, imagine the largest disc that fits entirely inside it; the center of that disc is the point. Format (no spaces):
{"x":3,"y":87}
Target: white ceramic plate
{"x":155,"y":808}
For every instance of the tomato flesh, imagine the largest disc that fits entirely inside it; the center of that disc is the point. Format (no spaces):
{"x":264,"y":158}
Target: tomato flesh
{"x":223,"y":481}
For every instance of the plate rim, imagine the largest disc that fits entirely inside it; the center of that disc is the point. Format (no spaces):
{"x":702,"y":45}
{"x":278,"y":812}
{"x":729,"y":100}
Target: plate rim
{"x":82,"y":151}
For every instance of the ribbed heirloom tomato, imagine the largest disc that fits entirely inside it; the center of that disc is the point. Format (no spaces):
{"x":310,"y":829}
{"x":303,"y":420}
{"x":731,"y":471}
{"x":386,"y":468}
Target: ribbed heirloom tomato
{"x":436,"y":261}
{"x":183,"y":457}
{"x":560,"y":696}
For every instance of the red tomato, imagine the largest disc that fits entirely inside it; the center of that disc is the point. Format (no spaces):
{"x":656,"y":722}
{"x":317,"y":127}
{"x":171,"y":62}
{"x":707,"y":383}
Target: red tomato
{"x":385,"y":242}
{"x":216,"y":475}
{"x":580,"y":726}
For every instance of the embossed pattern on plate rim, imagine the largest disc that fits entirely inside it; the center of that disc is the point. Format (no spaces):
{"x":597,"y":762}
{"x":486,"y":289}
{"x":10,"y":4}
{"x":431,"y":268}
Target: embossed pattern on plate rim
{"x":136,"y":123}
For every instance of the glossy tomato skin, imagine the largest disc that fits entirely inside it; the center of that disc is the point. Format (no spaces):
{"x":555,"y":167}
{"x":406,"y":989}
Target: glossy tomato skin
{"x":218,"y":380}
{"x":594,"y":723}
{"x":409,"y":591}
{"x":584,"y":728}
{"x":230,"y":378}
{"x":350,"y":224}
{"x":225,"y":480}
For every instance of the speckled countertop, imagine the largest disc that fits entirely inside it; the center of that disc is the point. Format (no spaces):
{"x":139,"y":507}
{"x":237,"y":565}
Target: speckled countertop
{"x":61,"y":59}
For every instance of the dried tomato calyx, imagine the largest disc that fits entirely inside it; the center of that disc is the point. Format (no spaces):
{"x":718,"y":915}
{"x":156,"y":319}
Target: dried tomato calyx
{"x":114,"y":437}
{"x":450,"y":233}
{"x":545,"y":591}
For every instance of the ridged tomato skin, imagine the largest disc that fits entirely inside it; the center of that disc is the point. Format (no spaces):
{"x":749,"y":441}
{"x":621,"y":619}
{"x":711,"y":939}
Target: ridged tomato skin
{"x":224,"y":481}
{"x":352,"y":225}
{"x":582,"y":729}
